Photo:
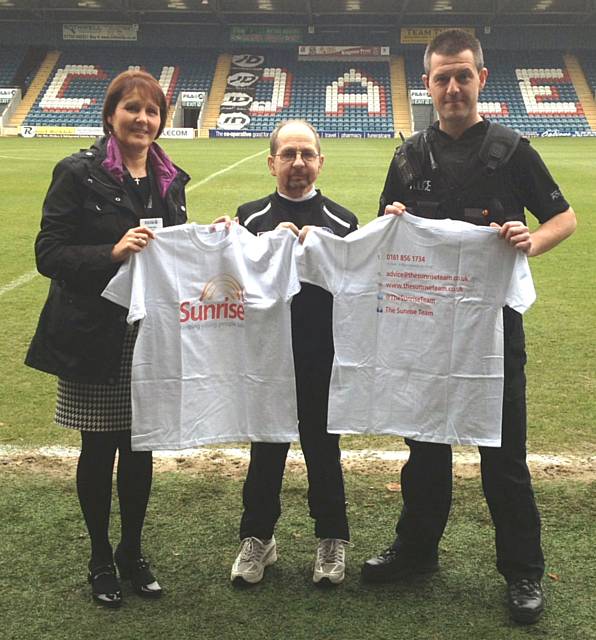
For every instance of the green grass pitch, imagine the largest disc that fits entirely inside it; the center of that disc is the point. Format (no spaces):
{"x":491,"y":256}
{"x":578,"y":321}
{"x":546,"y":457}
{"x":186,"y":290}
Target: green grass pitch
{"x":560,"y":328}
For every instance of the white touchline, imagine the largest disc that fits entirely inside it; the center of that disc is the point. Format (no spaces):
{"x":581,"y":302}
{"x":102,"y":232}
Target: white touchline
{"x":29,"y":276}
{"x":232,"y":166}
{"x":471,"y":458}
{"x":17,"y":282}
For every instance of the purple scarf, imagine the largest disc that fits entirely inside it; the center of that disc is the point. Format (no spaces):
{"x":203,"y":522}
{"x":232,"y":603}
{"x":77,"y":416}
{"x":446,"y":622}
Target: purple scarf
{"x":163,"y":169}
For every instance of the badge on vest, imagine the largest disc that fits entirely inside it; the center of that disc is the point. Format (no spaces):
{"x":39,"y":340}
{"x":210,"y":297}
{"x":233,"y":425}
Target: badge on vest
{"x":422,"y":185}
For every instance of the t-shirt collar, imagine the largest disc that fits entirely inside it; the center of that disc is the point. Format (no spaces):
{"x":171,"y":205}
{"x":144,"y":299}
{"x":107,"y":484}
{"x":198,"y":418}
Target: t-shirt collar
{"x":308,"y":196}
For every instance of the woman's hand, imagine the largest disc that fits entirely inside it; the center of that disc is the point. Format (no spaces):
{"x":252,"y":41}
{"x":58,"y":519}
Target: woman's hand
{"x":133,"y":241}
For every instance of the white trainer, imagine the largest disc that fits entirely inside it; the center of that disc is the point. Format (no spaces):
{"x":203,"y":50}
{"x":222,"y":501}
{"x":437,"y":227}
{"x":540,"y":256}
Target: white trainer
{"x":252,"y":559}
{"x":330,"y":561}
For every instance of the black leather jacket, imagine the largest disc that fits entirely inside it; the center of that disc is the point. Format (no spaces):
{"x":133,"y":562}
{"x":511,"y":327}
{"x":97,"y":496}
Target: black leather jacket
{"x":86,"y":211}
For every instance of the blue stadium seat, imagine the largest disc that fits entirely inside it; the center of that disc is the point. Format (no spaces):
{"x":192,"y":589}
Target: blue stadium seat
{"x":325,"y":93}
{"x":83,"y":74}
{"x":10,"y":59}
{"x":529,"y":91}
{"x":588,"y":62}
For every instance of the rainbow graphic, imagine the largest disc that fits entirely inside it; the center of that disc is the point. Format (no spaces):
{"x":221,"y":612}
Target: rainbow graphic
{"x":222,"y":287}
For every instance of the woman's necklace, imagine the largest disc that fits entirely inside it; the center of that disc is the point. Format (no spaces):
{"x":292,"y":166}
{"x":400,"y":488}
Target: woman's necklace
{"x":142,"y":179}
{"x":136,"y":175}
{"x":137,"y":178}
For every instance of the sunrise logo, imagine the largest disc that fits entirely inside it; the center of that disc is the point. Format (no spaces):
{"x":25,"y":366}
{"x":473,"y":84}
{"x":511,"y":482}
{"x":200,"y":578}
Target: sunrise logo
{"x":222,"y":298}
{"x":222,"y":286}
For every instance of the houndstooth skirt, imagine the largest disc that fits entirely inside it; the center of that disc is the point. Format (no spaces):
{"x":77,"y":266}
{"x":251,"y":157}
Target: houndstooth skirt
{"x":98,"y":407}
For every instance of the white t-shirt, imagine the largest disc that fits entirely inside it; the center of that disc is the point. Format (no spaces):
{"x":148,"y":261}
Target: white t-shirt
{"x":213,"y":358}
{"x":417,"y":326}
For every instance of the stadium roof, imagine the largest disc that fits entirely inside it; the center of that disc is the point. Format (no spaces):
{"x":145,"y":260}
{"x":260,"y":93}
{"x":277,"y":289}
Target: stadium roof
{"x":373,"y":14}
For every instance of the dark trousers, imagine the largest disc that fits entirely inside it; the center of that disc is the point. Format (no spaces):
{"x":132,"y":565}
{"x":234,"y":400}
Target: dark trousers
{"x":426,"y":480}
{"x":326,"y":497}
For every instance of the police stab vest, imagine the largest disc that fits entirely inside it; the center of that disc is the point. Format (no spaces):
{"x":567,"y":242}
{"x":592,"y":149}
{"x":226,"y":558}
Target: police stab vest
{"x":487,"y":194}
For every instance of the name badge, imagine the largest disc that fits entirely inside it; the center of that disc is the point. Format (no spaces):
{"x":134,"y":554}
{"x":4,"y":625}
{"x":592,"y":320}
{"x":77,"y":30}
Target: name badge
{"x":152,"y":223}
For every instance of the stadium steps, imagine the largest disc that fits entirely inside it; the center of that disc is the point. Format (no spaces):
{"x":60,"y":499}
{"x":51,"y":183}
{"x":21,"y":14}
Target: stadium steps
{"x":170,"y":116}
{"x":35,"y":88}
{"x":216,"y":94}
{"x":584,"y":93}
{"x":33,"y":58}
{"x":399,"y":96}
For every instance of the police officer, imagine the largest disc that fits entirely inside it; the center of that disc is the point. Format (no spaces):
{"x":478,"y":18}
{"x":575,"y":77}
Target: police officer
{"x":464,"y":167}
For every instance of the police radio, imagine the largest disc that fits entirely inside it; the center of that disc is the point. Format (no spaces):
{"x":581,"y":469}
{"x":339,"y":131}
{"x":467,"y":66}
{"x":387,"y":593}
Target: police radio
{"x":404,"y":168}
{"x":411,"y":155}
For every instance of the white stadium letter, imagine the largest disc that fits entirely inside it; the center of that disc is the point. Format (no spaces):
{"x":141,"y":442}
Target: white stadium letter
{"x":280,"y":94}
{"x":540,"y":93}
{"x":54,"y":100}
{"x":372,"y":96}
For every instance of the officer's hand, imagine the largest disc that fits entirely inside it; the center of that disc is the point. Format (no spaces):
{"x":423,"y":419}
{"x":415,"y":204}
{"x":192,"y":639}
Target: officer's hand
{"x":516,"y":233}
{"x":133,"y":241}
{"x":395,"y":209}
{"x":289,"y":225}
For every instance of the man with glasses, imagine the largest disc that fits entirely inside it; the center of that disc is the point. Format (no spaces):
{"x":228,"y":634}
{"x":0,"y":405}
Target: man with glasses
{"x":295,"y":160}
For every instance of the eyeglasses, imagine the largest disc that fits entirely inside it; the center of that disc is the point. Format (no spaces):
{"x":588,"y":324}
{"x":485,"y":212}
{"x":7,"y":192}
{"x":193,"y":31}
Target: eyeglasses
{"x":290,"y":155}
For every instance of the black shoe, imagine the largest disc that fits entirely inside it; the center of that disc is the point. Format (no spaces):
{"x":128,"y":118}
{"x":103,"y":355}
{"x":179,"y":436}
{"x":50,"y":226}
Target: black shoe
{"x":525,"y":599}
{"x":105,"y":586}
{"x":392,"y":565}
{"x":138,"y":571}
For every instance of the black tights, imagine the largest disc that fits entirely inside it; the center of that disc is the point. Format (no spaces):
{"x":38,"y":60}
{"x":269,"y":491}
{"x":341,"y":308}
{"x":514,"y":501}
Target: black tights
{"x":94,"y":487}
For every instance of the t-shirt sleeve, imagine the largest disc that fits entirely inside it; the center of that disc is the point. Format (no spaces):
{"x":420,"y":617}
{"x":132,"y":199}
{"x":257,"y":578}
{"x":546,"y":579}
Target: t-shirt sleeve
{"x":271,"y":255}
{"x":127,"y":288}
{"x":520,"y":294}
{"x":290,"y":282}
{"x":321,"y":259}
{"x":539,"y":192}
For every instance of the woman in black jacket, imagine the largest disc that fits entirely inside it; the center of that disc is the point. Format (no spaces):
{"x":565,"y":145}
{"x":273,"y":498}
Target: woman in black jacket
{"x":100,"y":208}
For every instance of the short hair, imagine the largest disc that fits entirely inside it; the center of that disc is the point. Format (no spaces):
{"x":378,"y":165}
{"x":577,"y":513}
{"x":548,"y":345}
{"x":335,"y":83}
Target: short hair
{"x":451,"y":42}
{"x":282,"y":124}
{"x":125,"y":83}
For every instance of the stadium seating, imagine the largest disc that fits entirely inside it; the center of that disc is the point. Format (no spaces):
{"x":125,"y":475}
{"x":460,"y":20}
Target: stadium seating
{"x":74,"y":93}
{"x":333,"y":96}
{"x":588,"y":62}
{"x":530,"y":92}
{"x":10,"y":58}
